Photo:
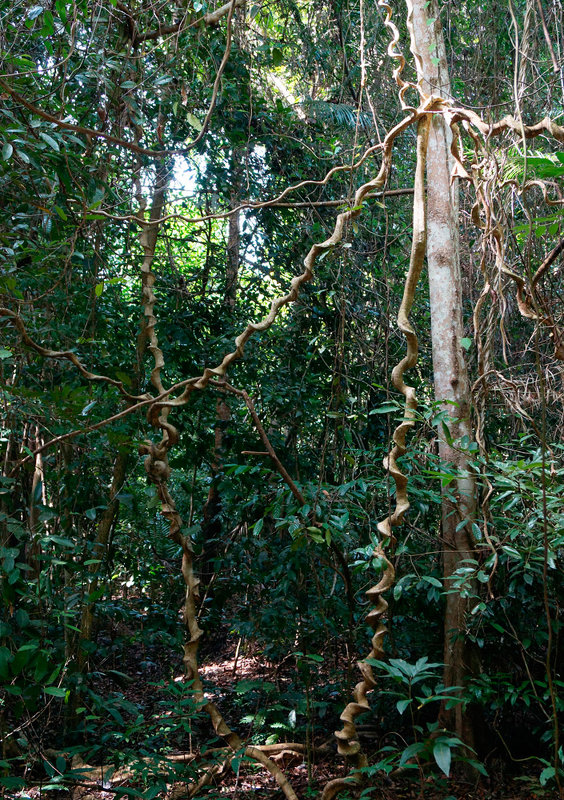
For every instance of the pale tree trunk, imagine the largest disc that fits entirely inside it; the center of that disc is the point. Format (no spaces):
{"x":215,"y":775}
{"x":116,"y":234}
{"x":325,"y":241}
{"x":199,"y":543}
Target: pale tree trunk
{"x":451,"y":379}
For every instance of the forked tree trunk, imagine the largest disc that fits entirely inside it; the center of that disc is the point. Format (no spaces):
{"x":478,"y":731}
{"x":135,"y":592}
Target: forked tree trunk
{"x":450,"y":375}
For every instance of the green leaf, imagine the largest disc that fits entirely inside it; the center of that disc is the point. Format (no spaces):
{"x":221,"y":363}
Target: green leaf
{"x":48,"y":28}
{"x":194,"y":122}
{"x":56,"y":691}
{"x":60,"y":6}
{"x":466,"y":343}
{"x":11,"y":782}
{"x":258,"y":526}
{"x":5,"y":658}
{"x":22,"y":618}
{"x":442,"y":756}
{"x":277,"y":56}
{"x":99,"y":288}
{"x":7,"y":151}
{"x":411,"y":751}
{"x":88,"y":407}
{"x":386,"y":408}
{"x":97,"y":198}
{"x":122,"y":791}
{"x":15,"y":690}
{"x":433,"y":581}
{"x":546,"y":775}
{"x":50,"y":141}
{"x":401,"y":705}
{"x":4,"y":353}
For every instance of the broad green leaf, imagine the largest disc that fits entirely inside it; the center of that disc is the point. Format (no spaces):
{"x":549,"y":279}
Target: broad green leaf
{"x":5,"y":658}
{"x":194,"y":122}
{"x":546,"y":775}
{"x":48,"y":28}
{"x":401,"y":705}
{"x":434,"y":582}
{"x":11,"y":782}
{"x":277,"y":56}
{"x":411,"y":751}
{"x":56,"y":691}
{"x":60,"y":6}
{"x":7,"y":151}
{"x":50,"y":141}
{"x":386,"y":408}
{"x":442,"y":755}
{"x":258,"y":526}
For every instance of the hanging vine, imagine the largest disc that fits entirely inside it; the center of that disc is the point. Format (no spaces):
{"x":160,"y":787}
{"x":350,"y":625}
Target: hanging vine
{"x":347,"y":738}
{"x":484,"y":174}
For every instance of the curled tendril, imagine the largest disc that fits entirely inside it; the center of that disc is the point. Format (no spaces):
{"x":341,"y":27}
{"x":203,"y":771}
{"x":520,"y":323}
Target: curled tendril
{"x":158,"y":471}
{"x":200,"y":382}
{"x":396,"y":54}
{"x":347,"y":738}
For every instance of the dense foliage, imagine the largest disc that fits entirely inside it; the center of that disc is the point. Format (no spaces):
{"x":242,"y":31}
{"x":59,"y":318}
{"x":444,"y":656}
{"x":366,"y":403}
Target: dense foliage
{"x":223,"y":127}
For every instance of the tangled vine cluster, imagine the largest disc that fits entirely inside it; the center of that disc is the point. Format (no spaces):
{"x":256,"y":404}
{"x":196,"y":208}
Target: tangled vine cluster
{"x":482,"y":172}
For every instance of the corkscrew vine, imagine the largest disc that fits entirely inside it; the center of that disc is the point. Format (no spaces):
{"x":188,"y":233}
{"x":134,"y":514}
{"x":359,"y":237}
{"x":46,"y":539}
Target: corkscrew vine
{"x":347,"y":737}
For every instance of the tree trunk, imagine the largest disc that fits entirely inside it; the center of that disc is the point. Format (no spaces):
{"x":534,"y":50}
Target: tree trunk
{"x":98,"y":556}
{"x":450,"y":375}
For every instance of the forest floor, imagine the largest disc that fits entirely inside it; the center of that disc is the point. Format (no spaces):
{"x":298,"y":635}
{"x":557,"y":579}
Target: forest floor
{"x":223,"y":673}
{"x":227,"y":672}
{"x":226,"y":669}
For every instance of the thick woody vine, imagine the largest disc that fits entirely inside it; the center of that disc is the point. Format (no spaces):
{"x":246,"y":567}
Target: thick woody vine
{"x":483,"y":173}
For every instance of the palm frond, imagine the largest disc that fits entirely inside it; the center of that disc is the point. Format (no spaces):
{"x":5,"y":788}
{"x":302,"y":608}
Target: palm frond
{"x":339,"y":114}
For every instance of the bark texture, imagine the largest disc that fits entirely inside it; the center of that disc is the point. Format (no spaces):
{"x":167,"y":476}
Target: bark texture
{"x":452,"y":388}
